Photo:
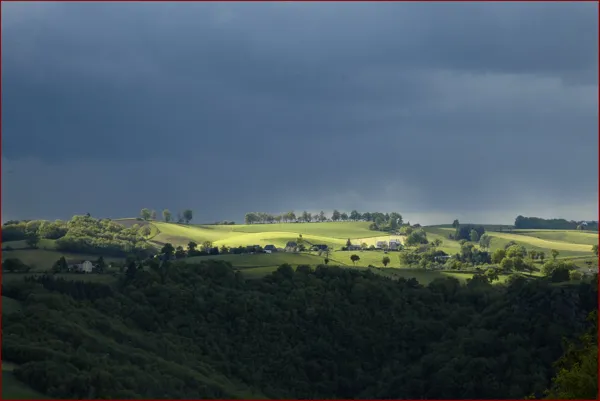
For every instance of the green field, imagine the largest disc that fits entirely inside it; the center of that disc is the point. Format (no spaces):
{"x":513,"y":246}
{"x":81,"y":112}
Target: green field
{"x":569,"y":236}
{"x":575,"y":245}
{"x":332,"y":234}
{"x":43,"y":259}
{"x":570,"y":243}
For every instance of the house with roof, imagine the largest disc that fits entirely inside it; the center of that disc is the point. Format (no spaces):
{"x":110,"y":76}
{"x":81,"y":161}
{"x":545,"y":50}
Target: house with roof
{"x":353,"y":247}
{"x":291,"y":246}
{"x":395,"y":244}
{"x":320,"y":247}
{"x":82,"y":266}
{"x":270,"y":249}
{"x":381,"y":244}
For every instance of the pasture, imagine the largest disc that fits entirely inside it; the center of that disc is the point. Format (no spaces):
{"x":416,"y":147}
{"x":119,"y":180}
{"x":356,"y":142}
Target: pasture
{"x":332,"y":234}
{"x":570,"y":243}
{"x":43,"y":259}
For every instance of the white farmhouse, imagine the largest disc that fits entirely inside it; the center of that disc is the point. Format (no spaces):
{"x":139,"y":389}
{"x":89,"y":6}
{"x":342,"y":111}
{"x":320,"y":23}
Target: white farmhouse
{"x":83,"y":266}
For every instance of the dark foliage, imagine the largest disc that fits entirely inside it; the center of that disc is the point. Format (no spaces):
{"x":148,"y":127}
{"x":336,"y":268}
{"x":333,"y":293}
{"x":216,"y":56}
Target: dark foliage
{"x":463,"y":231}
{"x":537,"y":223}
{"x":202,"y":331}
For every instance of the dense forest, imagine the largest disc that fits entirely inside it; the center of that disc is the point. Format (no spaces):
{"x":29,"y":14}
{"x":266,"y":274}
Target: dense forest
{"x":203,"y":331}
{"x":82,"y":234}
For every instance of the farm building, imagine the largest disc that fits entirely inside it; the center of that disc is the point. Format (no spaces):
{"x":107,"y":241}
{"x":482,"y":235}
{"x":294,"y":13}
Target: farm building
{"x":354,"y":248}
{"x":320,"y":247}
{"x":395,"y":244}
{"x":291,"y":246}
{"x":381,"y":244}
{"x":84,"y":266}
{"x":270,"y":248}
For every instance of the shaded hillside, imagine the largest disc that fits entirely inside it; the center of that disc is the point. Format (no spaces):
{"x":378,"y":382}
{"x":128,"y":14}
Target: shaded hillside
{"x":202,"y":331}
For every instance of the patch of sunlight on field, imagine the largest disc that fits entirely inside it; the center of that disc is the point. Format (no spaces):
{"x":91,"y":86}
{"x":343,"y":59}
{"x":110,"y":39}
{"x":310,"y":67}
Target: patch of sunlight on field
{"x":569,"y":236}
{"x":541,"y":243}
{"x":335,"y":230}
{"x":279,"y":239}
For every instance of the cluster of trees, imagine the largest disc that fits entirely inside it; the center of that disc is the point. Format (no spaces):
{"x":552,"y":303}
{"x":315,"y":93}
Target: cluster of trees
{"x":178,"y":331}
{"x":381,"y":221}
{"x":182,"y":217}
{"x":103,"y":237}
{"x":14,"y":265}
{"x":513,"y":258}
{"x":33,"y":230}
{"x":417,"y":237}
{"x":82,"y":234}
{"x":468,"y":232}
{"x":536,"y":223}
{"x":206,"y":248}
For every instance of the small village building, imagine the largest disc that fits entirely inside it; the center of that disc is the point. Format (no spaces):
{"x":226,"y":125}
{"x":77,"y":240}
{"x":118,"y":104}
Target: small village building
{"x":270,"y":249}
{"x":82,"y":266}
{"x":291,"y":246}
{"x":395,"y":244}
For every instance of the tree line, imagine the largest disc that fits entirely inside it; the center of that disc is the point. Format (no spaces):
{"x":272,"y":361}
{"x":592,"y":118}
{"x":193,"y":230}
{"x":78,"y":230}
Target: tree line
{"x":176,"y":330}
{"x":182,"y":217}
{"x":82,"y":234}
{"x":381,"y":220}
{"x":536,"y":223}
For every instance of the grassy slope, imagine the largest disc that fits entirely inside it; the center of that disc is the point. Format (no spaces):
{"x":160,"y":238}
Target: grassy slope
{"x":335,"y":234}
{"x":42,"y":259}
{"x":568,"y":243}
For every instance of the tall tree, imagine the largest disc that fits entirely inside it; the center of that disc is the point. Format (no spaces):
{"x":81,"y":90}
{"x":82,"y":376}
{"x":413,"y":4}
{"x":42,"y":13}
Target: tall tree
{"x":145,"y":214}
{"x":554,"y":253}
{"x":167,"y":215}
{"x":32,"y":239}
{"x":354,"y":258}
{"x":322,"y":216}
{"x":153,"y":214}
{"x":192,"y":248}
{"x":188,"y":215}
{"x":385,"y":261}
{"x":336,"y":215}
{"x":577,"y":377}
{"x":485,"y":241}
{"x":168,"y":249}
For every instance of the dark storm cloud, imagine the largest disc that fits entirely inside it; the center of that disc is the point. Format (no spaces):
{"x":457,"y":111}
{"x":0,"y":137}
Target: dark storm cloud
{"x":481,"y":111}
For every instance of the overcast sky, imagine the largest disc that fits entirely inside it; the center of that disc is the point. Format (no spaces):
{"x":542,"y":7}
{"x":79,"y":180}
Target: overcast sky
{"x":480,"y":111}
